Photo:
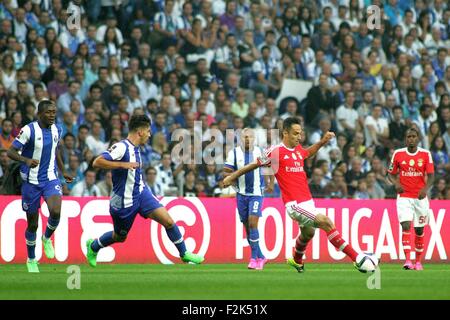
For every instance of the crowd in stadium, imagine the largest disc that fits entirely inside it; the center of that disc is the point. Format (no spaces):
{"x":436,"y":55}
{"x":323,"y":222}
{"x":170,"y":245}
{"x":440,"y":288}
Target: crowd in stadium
{"x":223,"y":63}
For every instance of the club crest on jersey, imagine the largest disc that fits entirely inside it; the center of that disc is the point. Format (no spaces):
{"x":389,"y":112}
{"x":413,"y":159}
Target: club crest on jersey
{"x":420,"y":162}
{"x":412,"y":162}
{"x":294,"y":156}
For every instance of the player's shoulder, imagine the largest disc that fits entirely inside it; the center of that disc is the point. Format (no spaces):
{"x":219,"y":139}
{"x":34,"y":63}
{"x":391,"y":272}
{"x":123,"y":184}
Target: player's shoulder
{"x":400,"y":151}
{"x":119,"y":146}
{"x":422,"y":150}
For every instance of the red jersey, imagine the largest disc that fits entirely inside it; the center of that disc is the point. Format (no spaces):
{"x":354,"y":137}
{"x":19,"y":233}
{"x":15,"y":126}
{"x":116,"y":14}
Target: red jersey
{"x":288,"y":167}
{"x":412,"y":168}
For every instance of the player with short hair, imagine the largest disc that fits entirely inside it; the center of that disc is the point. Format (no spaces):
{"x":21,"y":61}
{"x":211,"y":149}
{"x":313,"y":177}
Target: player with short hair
{"x":38,"y":142}
{"x":130,"y":194}
{"x":415,"y":168}
{"x":287,"y":161}
{"x":250,"y":189}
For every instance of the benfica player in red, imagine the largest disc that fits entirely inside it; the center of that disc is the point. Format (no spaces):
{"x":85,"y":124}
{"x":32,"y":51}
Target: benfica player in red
{"x":287,"y":161}
{"x":415,"y":167}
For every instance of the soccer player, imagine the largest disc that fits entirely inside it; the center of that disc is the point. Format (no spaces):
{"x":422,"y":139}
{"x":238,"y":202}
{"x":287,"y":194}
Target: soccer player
{"x":130,"y":194}
{"x":416,"y":170}
{"x":38,"y":142}
{"x":249,"y":193}
{"x":287,"y":162}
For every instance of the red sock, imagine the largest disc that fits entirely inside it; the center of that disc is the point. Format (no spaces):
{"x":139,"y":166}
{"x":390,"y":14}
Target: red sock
{"x":419,"y":247}
{"x":336,"y":240}
{"x":406,"y":242}
{"x":299,"y":250}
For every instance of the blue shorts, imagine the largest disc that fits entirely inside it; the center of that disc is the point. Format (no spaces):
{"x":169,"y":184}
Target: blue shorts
{"x":123,"y":218}
{"x":32,"y":193}
{"x":249,"y":205}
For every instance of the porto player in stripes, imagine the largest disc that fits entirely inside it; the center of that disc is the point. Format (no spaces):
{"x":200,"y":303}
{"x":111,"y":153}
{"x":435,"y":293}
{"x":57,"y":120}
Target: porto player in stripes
{"x":130,"y":194}
{"x":287,"y":162}
{"x":250,"y":190}
{"x":415,"y":167}
{"x":38,"y":142}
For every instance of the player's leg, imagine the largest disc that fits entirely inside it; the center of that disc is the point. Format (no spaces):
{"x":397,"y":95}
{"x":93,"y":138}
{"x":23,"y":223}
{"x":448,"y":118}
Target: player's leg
{"x":405,"y":216}
{"x":243,"y":207}
{"x":254,"y":213}
{"x":301,"y":243}
{"x":52,"y":194}
{"x":421,"y":216}
{"x":151,"y":208}
{"x":30,"y":204}
{"x":123,"y":221}
{"x":304,"y":213}
{"x":334,"y":236}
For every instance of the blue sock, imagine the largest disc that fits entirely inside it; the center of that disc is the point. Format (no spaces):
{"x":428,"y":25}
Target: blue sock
{"x":31,"y":244}
{"x":260,"y":254}
{"x":51,"y":227}
{"x":175,"y":236}
{"x":253,"y":240}
{"x":104,"y":241}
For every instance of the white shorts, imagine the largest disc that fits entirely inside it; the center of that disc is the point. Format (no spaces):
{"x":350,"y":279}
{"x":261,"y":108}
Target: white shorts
{"x":409,"y":209}
{"x":304,"y":212}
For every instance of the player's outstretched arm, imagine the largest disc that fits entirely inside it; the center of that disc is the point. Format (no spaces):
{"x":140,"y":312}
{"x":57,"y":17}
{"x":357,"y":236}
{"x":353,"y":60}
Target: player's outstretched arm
{"x":312,"y":150}
{"x":228,"y":181}
{"x":101,"y":163}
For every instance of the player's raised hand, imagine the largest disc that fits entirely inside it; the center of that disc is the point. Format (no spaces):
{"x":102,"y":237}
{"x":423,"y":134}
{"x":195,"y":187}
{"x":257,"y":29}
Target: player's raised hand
{"x":32,"y":163}
{"x":328,"y":136}
{"x":131,"y":165}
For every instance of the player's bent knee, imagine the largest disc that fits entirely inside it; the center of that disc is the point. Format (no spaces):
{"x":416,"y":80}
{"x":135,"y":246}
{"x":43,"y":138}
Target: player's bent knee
{"x":119,"y":238}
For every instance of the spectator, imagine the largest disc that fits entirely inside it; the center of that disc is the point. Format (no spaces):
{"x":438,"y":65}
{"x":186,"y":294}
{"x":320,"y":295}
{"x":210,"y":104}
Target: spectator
{"x":105,"y":186}
{"x":86,"y":187}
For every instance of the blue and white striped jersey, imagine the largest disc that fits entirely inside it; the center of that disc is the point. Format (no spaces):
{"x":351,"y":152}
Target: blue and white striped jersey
{"x":252,"y":183}
{"x":127,"y":184}
{"x":39,"y":144}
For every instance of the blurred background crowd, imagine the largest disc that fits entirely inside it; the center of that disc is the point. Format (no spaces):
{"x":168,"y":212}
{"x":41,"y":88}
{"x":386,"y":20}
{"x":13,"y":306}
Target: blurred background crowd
{"x":223,"y":63}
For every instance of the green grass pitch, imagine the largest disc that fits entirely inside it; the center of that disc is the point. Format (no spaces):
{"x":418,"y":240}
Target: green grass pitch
{"x":223,"y":281}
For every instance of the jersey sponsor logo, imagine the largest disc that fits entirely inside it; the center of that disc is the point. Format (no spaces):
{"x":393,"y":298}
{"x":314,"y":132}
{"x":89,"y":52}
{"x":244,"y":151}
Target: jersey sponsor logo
{"x":412,"y":174}
{"x":420,"y":162}
{"x":294,"y":169}
{"x":412,"y":162}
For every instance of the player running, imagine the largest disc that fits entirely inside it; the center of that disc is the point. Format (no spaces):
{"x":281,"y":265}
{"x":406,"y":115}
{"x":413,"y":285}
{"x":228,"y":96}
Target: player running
{"x":416,"y":170}
{"x":287,"y":162}
{"x":131,"y":196}
{"x":38,"y":142}
{"x":249,"y":193}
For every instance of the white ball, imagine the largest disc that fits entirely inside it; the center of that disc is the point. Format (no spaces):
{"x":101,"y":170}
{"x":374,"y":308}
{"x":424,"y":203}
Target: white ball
{"x":366,"y":262}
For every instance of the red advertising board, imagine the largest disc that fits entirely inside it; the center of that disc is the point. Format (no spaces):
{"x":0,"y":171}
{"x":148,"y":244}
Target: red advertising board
{"x":212,"y":228}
